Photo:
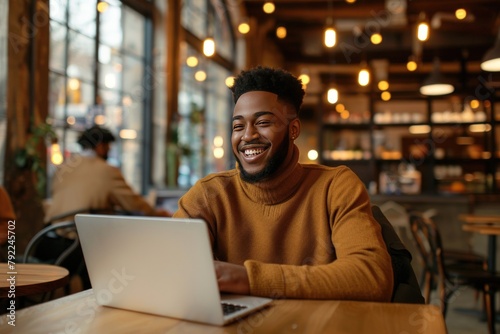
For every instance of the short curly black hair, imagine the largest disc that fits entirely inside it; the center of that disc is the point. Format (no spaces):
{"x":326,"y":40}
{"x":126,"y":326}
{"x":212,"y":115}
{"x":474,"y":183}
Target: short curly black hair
{"x":95,"y":135}
{"x":273,"y":80}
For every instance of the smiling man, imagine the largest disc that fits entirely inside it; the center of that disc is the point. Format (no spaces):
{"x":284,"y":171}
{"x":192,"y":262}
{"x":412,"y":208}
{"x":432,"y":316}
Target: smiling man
{"x":262,"y":139}
{"x":279,"y":228}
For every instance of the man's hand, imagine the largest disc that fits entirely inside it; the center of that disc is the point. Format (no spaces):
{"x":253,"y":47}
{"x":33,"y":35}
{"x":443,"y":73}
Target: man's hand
{"x":232,"y":278}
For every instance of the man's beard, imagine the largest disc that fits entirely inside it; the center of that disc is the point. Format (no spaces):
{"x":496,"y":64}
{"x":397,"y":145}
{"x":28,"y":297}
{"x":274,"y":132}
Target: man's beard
{"x":272,"y":166}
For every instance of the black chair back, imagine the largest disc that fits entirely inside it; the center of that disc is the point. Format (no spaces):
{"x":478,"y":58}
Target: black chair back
{"x":406,"y":287}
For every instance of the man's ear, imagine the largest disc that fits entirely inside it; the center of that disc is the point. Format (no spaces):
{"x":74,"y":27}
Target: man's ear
{"x":294,"y":128}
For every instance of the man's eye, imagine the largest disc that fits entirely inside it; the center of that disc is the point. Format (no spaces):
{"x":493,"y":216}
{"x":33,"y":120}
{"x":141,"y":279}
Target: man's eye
{"x":265,"y":122}
{"x":237,"y":127}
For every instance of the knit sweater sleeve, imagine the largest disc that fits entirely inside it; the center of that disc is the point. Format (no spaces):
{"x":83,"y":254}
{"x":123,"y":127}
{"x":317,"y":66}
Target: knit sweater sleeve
{"x":362,"y":269}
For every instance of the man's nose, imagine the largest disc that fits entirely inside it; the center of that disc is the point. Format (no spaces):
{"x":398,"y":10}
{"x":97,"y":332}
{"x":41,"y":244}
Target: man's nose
{"x":250,"y":134}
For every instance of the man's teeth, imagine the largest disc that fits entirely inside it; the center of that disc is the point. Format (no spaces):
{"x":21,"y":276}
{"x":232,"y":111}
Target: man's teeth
{"x":253,"y":152}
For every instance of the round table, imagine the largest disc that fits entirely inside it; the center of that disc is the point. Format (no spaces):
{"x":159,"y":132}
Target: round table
{"x":30,"y":278}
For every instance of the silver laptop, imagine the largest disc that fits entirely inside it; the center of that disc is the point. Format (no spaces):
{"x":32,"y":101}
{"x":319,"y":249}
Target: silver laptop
{"x":162,"y":266}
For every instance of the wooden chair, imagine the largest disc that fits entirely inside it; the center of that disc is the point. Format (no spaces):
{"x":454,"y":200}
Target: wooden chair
{"x":452,"y":257}
{"x":449,"y":278}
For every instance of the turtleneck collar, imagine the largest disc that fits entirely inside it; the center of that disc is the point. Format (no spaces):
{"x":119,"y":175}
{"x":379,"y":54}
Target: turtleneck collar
{"x":280,"y":186}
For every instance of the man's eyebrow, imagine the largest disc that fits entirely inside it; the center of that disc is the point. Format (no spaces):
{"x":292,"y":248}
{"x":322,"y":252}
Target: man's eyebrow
{"x":256,"y":115}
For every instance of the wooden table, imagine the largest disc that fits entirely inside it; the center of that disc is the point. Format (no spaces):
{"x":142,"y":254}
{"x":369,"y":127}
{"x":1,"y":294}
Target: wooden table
{"x":79,"y":313}
{"x":479,"y":219}
{"x":484,"y":224}
{"x":485,"y":229}
{"x":30,"y":279}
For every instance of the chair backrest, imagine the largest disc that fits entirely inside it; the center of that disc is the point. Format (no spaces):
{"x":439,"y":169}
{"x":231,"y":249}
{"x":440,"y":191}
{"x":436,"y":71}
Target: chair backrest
{"x":423,"y":235}
{"x":31,"y":247}
{"x":429,"y":242}
{"x":406,"y":287}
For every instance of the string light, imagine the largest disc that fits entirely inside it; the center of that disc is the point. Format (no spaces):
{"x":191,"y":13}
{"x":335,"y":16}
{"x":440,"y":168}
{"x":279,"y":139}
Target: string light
{"x":244,"y":28}
{"x":460,"y":13}
{"x":474,"y":104}
{"x":281,"y":32}
{"x":229,"y":81}
{"x":56,"y":156}
{"x":312,"y":155}
{"x":102,"y":6}
{"x":304,"y":78}
{"x":268,"y":8}
{"x":383,"y":85}
{"x":200,"y":76}
{"x":376,"y":38}
{"x":192,"y":61}
{"x":385,"y":96}
{"x":411,"y":65}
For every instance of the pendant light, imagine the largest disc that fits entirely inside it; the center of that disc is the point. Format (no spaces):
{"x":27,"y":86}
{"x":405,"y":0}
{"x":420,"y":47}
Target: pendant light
{"x":330,"y":35}
{"x":422,"y":28}
{"x":332,"y":95}
{"x":364,"y":75}
{"x":491,"y":60}
{"x":435,"y":84}
{"x":209,"y":47}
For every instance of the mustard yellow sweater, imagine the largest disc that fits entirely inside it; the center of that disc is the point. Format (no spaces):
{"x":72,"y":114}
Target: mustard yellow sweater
{"x":308,"y":233}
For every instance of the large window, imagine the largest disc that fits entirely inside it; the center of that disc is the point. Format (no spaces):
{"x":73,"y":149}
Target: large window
{"x":205,"y":105}
{"x":98,"y":75}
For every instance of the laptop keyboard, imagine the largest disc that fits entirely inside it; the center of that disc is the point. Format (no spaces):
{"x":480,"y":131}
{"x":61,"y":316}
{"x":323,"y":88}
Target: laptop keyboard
{"x":229,"y":308}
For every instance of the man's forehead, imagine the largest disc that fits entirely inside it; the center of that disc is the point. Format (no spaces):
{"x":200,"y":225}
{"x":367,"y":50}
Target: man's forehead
{"x":257,"y":101}
{"x":257,"y":97}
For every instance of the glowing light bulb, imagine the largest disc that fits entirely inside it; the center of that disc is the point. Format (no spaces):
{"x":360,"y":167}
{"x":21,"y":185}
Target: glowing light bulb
{"x":376,"y":38}
{"x":281,"y":32}
{"x":192,"y":61}
{"x":423,"y":31}
{"x":330,"y":37}
{"x":411,"y":65}
{"x":200,"y":76}
{"x":229,"y":81}
{"x":364,"y":77}
{"x":383,"y":85}
{"x":333,"y":95}
{"x":305,"y":79}
{"x":268,"y":8}
{"x":209,"y":47}
{"x":244,"y":28}
{"x":460,"y":13}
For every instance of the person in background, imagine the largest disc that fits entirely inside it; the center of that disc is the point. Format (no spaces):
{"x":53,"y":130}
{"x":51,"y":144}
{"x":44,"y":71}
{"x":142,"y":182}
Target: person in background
{"x":6,"y":213}
{"x":279,"y":228}
{"x":86,"y":182}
